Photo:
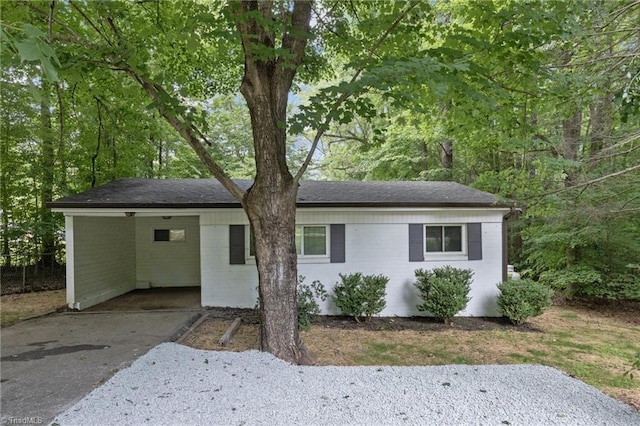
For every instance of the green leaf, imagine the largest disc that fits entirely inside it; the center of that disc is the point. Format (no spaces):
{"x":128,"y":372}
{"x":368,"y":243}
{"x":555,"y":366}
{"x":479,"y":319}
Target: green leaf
{"x":33,"y":32}
{"x":28,"y":50}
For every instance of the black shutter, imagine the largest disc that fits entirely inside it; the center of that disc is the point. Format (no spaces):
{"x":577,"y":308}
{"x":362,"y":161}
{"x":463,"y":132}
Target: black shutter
{"x":474,"y":240}
{"x":337,"y":243}
{"x":416,"y":242}
{"x":236,"y":244}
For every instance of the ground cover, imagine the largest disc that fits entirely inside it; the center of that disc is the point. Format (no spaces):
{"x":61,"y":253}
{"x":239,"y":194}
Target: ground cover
{"x":21,"y":306}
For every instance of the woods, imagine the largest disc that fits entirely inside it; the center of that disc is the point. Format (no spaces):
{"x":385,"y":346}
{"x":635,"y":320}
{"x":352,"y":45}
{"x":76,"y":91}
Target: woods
{"x":537,"y":102}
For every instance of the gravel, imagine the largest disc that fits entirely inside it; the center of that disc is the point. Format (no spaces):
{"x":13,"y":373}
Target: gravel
{"x":175,"y":384}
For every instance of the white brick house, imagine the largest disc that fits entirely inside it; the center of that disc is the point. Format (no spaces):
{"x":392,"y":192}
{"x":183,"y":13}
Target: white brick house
{"x":142,"y":233}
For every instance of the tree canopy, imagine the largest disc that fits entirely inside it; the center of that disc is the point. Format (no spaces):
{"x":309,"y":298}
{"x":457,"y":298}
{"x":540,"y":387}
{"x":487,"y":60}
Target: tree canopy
{"x":535,"y":101}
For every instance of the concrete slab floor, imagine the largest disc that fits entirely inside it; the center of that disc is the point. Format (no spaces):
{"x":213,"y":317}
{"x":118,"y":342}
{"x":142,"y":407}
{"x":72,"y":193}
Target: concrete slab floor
{"x":152,"y":299}
{"x":49,"y":363}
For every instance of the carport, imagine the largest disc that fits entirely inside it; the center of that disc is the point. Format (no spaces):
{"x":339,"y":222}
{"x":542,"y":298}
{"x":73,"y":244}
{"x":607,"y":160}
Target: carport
{"x":112,"y":253}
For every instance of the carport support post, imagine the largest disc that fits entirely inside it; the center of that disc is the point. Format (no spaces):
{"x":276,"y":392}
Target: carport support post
{"x":70,"y":254}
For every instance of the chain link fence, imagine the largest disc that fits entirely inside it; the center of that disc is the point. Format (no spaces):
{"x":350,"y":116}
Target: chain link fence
{"x":21,"y":273}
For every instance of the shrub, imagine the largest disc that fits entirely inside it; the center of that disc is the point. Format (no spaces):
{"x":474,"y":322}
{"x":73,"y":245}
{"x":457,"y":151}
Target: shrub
{"x":360,"y":295}
{"x":577,"y":280}
{"x":444,"y":291}
{"x":307,"y":302}
{"x":523,"y":299}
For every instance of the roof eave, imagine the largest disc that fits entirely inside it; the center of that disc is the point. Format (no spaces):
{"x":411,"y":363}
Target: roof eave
{"x":103,"y":205}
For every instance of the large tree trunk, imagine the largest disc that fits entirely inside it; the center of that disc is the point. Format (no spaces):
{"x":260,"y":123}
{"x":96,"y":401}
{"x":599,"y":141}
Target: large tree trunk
{"x":272,"y":216}
{"x":270,"y":203}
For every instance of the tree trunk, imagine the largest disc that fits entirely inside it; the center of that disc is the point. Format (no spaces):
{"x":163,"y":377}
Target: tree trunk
{"x":272,"y":217}
{"x":570,"y":142}
{"x":446,"y":158}
{"x":5,"y":200}
{"x":270,"y":203}
{"x":47,"y":162}
{"x":600,"y":123}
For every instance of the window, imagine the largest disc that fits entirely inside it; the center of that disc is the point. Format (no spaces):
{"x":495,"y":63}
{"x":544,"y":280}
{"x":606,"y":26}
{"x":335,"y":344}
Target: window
{"x":443,"y":238}
{"x":310,"y":241}
{"x":169,"y":235}
{"x":442,"y":242}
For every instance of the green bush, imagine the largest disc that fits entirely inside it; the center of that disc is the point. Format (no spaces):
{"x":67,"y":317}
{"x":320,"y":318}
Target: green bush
{"x":577,"y":280}
{"x":586,"y":282}
{"x":307,"y":302}
{"x":444,"y":291}
{"x":523,"y":299}
{"x":360,"y":295}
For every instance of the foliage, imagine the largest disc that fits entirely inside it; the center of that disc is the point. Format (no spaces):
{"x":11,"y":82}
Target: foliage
{"x":444,"y":291}
{"x":307,"y":301}
{"x":586,"y":251}
{"x":360,"y":295}
{"x":634,"y":366}
{"x":523,"y":299}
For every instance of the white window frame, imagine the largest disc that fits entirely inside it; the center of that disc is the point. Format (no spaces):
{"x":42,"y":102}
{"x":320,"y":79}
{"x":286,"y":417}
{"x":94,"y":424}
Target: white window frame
{"x":301,"y":256}
{"x":442,"y":255}
{"x":170,"y":241}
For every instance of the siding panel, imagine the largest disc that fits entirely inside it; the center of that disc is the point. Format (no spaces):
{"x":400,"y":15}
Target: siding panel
{"x":104,"y":259}
{"x":167,"y":264}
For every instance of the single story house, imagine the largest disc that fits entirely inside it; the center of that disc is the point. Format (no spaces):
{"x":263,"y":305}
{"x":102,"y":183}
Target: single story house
{"x":142,"y":233}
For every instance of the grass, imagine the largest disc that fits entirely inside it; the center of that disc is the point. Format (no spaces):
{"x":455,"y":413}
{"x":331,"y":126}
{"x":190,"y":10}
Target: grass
{"x":18,"y":307}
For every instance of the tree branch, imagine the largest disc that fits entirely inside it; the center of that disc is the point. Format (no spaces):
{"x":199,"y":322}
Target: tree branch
{"x":590,"y":182}
{"x":90,"y":22}
{"x":189,"y":133}
{"x":344,"y":96}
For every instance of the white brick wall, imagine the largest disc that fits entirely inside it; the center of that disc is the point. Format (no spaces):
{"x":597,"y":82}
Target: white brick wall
{"x":376,"y":243}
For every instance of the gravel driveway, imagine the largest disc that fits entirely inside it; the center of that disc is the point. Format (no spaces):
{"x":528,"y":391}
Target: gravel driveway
{"x":175,"y":384}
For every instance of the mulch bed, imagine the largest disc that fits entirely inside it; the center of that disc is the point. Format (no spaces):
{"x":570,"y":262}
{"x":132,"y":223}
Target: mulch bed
{"x":250,"y":316}
{"x":423,"y":324}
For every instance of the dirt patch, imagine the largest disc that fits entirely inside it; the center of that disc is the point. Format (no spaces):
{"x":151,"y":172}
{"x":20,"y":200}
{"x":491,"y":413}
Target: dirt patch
{"x":15,"y":280}
{"x":207,"y":335}
{"x":626,"y":311}
{"x":18,"y":307}
{"x":628,"y":396}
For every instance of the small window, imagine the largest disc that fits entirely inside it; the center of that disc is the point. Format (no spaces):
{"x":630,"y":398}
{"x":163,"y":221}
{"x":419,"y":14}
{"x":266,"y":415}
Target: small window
{"x":169,"y":235}
{"x":443,"y":238}
{"x":310,"y":241}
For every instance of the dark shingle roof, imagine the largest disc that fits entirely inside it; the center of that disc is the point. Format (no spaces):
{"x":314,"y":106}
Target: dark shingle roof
{"x":209,"y":193}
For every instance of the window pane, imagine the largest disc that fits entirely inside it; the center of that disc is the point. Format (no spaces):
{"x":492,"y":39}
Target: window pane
{"x":315,"y":240}
{"x":172,"y":235}
{"x":299,"y":240}
{"x":433,"y":238}
{"x":160,"y":235}
{"x":452,"y":238}
{"x":177,"y":235}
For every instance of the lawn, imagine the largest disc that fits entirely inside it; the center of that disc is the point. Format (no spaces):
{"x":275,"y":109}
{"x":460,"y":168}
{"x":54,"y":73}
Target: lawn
{"x":596,"y":347}
{"x":17,"y":307}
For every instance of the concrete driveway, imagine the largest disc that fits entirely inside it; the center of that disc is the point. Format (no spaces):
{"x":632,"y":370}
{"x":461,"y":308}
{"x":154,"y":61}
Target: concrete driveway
{"x":51,"y":362}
